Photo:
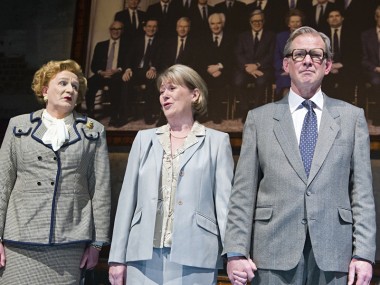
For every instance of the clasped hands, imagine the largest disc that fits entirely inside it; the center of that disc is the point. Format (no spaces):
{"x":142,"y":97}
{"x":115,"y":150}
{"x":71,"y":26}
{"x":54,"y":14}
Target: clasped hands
{"x":240,"y":270}
{"x":253,"y":69}
{"x":214,"y":70}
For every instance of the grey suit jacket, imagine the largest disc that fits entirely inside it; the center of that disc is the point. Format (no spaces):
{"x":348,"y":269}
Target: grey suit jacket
{"x":54,"y":197}
{"x":203,"y":190}
{"x":273,"y":203}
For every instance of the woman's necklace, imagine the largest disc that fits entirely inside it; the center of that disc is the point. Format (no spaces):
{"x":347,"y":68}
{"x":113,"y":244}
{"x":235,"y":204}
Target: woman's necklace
{"x":177,"y":137}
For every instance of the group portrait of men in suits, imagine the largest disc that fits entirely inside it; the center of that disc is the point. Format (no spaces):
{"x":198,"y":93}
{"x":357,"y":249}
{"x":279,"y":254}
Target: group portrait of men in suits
{"x":238,"y":50}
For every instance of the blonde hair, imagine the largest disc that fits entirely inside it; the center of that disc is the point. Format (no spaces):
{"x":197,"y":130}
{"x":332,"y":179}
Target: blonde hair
{"x":187,"y":77}
{"x":49,"y":70}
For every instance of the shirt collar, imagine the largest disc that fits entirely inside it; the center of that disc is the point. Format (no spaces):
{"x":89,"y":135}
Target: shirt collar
{"x":197,"y":129}
{"x":295,"y":100}
{"x":220,"y":36}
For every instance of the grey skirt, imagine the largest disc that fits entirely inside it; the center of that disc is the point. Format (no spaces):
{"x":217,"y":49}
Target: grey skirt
{"x":161,"y":271}
{"x":35,"y":265}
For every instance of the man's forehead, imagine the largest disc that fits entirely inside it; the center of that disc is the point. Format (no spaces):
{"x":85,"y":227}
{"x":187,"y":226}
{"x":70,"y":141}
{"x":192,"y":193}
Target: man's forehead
{"x":306,"y":39}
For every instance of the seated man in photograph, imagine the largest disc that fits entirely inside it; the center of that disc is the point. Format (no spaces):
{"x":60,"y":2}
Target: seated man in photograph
{"x":371,"y":65}
{"x":142,"y":65}
{"x":254,"y":56}
{"x":215,"y":66}
{"x":108,"y":66}
{"x":181,"y":48}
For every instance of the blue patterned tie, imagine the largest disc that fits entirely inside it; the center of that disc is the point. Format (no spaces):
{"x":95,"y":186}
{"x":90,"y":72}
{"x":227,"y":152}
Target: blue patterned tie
{"x":309,"y":135}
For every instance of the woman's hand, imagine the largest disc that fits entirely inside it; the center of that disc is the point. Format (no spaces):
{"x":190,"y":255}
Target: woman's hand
{"x":117,"y":273}
{"x":90,"y":258}
{"x":2,"y":255}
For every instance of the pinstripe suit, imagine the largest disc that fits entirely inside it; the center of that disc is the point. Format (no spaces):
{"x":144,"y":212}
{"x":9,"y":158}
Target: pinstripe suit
{"x":48,"y":197}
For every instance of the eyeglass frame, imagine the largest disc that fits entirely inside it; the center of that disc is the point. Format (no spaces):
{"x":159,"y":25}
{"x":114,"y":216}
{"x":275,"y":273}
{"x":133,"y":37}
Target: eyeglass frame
{"x":319,"y":61}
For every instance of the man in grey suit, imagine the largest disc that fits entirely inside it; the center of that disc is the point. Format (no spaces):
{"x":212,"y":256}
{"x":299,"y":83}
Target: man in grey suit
{"x":299,"y":217}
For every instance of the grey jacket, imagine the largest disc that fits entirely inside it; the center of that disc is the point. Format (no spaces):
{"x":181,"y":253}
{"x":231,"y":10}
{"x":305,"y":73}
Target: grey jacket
{"x":54,"y":197}
{"x":273,"y":203}
{"x":203,"y":190}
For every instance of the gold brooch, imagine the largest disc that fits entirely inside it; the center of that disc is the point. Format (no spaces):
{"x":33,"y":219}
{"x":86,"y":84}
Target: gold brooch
{"x":90,"y":125}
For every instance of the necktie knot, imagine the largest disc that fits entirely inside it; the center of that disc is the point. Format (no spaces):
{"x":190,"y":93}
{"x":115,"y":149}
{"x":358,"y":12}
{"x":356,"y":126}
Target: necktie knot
{"x":309,"y":105}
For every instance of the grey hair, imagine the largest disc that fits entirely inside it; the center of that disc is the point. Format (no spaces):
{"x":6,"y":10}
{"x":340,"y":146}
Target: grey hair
{"x":220,"y":15}
{"x":187,"y":77}
{"x":257,"y":12}
{"x":307,"y":30}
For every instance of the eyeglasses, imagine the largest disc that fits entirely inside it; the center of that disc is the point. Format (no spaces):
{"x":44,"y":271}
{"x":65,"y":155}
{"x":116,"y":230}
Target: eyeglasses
{"x":317,"y":55}
{"x":116,"y":29}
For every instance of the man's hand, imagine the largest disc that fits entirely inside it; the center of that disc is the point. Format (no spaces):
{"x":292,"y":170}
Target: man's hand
{"x":127,"y":75}
{"x":251,"y":67}
{"x":2,"y":255}
{"x":257,"y":73}
{"x":117,"y":273}
{"x":239,"y":269}
{"x":362,"y":270}
{"x":151,"y":73}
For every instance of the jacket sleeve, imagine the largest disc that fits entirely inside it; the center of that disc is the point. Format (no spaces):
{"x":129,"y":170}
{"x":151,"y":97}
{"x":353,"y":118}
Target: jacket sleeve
{"x":8,"y":172}
{"x":100,"y":188}
{"x":223,"y":182}
{"x":243,"y":197}
{"x":362,"y":200}
{"x":126,"y":205}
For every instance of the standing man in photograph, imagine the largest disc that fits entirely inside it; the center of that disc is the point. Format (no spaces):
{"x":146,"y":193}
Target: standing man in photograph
{"x":302,"y":208}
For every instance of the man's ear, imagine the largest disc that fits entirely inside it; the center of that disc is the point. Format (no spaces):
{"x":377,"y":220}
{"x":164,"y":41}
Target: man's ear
{"x":285,"y":64}
{"x":328,"y":66}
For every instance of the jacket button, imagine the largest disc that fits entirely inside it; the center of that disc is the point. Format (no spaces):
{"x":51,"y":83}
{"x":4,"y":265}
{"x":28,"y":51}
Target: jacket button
{"x":181,"y":173}
{"x":55,"y":158}
{"x":52,"y":183}
{"x":304,"y":221}
{"x":39,"y":157}
{"x":39,"y":183}
{"x":180,"y":202}
{"x":308,"y":193}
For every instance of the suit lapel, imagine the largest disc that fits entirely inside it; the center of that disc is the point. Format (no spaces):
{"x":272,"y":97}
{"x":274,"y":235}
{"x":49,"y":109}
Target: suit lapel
{"x":40,"y":128}
{"x":158,"y":154}
{"x":286,"y":137}
{"x":328,"y":131}
{"x":190,"y":151}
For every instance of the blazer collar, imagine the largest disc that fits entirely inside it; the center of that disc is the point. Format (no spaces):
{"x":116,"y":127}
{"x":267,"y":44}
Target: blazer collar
{"x":40,"y":128}
{"x":198,"y":130}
